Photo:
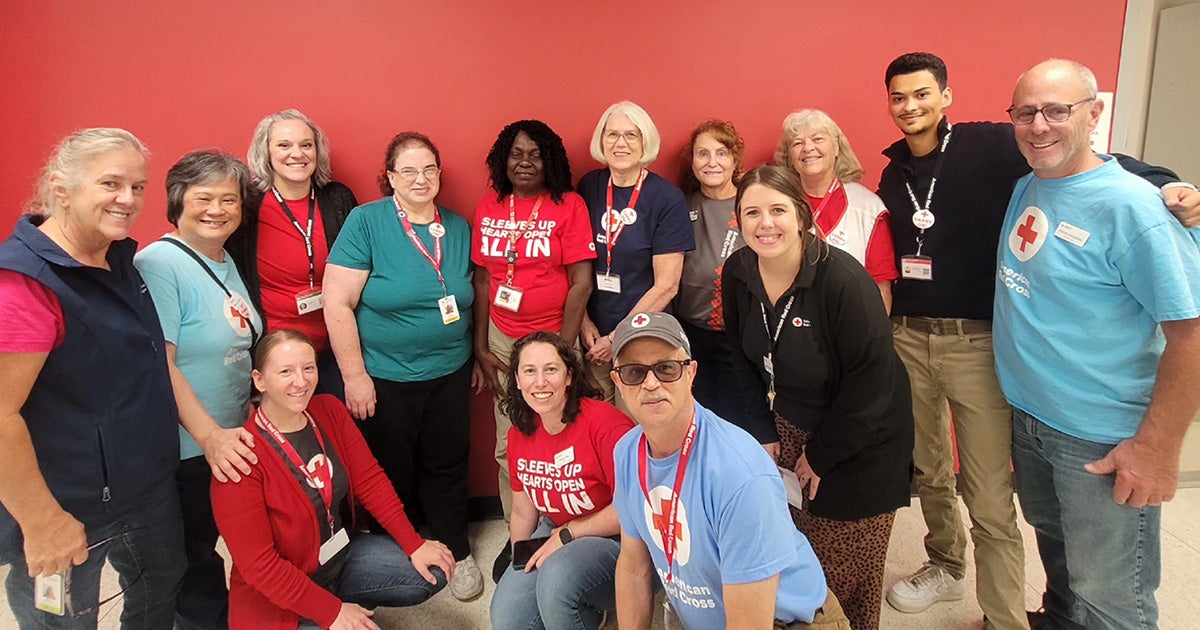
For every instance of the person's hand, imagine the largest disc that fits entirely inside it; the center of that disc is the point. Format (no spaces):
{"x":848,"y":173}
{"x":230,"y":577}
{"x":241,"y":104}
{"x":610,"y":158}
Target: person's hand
{"x":1184,"y":203}
{"x":491,"y":368}
{"x":55,"y":545}
{"x":360,"y":396}
{"x":588,"y":333}
{"x":354,"y":617}
{"x":1144,"y":475}
{"x":772,"y":449}
{"x":433,"y":554}
{"x":601,"y":351}
{"x":228,"y":453}
{"x":808,"y":478}
{"x":552,"y":544}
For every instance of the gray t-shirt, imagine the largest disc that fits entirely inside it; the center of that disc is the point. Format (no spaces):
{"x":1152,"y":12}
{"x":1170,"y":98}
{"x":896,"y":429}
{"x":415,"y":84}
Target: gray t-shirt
{"x":717,"y":236}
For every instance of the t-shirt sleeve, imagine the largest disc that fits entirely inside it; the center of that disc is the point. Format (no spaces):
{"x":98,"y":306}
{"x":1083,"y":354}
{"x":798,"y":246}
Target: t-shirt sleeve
{"x":577,"y":233}
{"x":352,"y":249}
{"x":626,"y":494}
{"x":160,"y":277}
{"x":477,"y":232}
{"x":1159,"y":267}
{"x":607,"y":431}
{"x":674,"y":232}
{"x":881,"y":253}
{"x":752,"y":526}
{"x":32,"y":315}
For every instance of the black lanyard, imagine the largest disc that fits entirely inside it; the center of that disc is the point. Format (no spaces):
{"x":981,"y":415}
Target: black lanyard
{"x":937,"y":171}
{"x":304,"y":233}
{"x":207,"y":269}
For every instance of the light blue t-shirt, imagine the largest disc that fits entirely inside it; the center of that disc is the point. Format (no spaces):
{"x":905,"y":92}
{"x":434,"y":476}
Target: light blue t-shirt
{"x":733,"y":524}
{"x":212,"y":338}
{"x":1088,"y":267}
{"x":399,"y":325}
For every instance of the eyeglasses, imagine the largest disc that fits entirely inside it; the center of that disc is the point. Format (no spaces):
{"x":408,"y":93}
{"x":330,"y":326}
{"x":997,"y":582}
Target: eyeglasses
{"x":409,"y":174}
{"x":1054,"y":112}
{"x":630,"y":137}
{"x":667,"y":371}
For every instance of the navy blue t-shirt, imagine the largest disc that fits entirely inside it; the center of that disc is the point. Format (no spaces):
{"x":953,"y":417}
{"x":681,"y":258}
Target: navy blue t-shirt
{"x":661,"y":227}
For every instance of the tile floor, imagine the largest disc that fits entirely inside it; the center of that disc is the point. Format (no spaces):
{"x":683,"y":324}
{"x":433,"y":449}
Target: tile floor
{"x":1178,"y":598}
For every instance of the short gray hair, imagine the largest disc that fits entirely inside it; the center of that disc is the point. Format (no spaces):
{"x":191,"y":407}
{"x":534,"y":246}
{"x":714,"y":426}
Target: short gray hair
{"x":71,"y":158}
{"x":201,"y":168}
{"x":651,"y":141}
{"x":259,"y":155}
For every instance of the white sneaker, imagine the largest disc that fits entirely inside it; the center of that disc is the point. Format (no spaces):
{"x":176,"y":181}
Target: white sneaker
{"x":922,"y":589}
{"x":467,"y":582}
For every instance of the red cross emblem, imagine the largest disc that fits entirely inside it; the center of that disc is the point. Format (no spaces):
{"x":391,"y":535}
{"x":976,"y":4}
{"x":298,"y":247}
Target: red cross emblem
{"x":639,"y":320}
{"x":661,"y":520}
{"x":241,"y":319}
{"x":1026,"y":232}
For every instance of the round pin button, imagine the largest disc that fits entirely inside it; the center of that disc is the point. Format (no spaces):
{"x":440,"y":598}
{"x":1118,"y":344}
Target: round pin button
{"x":923,"y":219}
{"x":437,"y":230}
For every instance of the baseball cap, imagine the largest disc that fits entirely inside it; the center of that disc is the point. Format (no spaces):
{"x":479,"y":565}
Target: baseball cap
{"x":657,"y":325}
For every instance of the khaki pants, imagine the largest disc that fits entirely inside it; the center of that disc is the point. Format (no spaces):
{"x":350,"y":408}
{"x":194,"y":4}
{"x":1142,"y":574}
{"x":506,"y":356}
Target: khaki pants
{"x":602,"y":375}
{"x":829,"y":617}
{"x":501,"y":345}
{"x":958,"y":370}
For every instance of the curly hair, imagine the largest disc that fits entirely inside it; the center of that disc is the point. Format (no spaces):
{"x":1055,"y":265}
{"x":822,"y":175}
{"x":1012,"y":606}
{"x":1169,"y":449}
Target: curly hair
{"x":725,"y":133}
{"x":513,"y":403}
{"x":555,"y":166}
{"x":401,"y":141}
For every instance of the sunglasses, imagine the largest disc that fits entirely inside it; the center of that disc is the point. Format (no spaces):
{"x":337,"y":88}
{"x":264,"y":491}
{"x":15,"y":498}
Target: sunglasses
{"x":667,"y":371}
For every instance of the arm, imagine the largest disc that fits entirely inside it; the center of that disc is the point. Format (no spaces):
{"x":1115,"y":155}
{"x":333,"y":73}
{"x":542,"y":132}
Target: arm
{"x":601,"y":523}
{"x":667,"y":270}
{"x":579,"y":281}
{"x":342,"y":289}
{"x":228,"y":451}
{"x":490,"y":364}
{"x":524,"y":518}
{"x":757,"y":419}
{"x":885,"y":292}
{"x":54,"y":540}
{"x":1180,"y":198}
{"x":752,"y":605}
{"x":1147,"y":464}
{"x":634,"y":588}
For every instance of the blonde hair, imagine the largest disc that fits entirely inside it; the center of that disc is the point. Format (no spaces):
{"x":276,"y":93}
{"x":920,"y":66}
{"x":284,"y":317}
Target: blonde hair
{"x":258,"y":158}
{"x":847,"y":168}
{"x":651,"y":141}
{"x":72,"y":156}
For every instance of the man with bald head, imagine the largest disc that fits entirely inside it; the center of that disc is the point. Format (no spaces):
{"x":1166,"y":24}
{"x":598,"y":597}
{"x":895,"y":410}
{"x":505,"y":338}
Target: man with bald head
{"x":1097,"y":339}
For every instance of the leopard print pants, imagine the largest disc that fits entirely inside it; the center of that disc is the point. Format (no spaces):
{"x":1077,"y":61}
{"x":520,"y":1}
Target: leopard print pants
{"x":852,"y":553}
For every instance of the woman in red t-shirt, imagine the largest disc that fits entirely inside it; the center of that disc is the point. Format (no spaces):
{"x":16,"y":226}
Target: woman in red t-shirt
{"x":560,"y":463}
{"x":291,"y":218}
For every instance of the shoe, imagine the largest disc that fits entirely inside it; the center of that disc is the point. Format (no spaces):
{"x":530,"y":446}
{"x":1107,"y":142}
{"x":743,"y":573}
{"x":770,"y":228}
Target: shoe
{"x":467,"y":582}
{"x":503,"y":561}
{"x":925,"y":587}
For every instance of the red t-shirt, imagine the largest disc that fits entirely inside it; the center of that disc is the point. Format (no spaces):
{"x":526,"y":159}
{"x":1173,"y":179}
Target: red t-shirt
{"x":561,"y":236}
{"x":32,"y":315}
{"x":879,"y":256}
{"x":570,"y":474}
{"x":283,"y":267}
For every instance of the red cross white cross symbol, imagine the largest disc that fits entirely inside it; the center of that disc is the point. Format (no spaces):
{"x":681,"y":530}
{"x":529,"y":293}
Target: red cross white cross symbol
{"x":660,"y":520}
{"x":1026,"y":232}
{"x":241,"y":319}
{"x":641,"y":319}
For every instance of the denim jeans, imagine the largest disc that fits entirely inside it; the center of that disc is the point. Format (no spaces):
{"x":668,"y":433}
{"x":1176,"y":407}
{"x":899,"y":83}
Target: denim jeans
{"x":146,"y":549}
{"x":1101,"y":559}
{"x":377,"y":572}
{"x":570,"y":590}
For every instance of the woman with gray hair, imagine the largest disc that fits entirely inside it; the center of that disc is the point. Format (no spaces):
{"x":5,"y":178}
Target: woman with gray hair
{"x":88,"y":424}
{"x":209,"y":327}
{"x":846,"y":214}
{"x":641,"y":231}
{"x":293,"y":214}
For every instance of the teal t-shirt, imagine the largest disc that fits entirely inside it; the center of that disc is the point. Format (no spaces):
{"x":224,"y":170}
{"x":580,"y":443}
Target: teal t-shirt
{"x":212,"y":343}
{"x":399,"y":324}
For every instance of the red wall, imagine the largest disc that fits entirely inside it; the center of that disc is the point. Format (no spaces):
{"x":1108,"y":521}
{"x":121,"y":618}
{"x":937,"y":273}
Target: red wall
{"x":185,"y":75}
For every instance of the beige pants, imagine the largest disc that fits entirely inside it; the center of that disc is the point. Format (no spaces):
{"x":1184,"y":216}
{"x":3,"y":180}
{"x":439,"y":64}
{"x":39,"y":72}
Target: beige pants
{"x":501,"y":345}
{"x":602,"y":375}
{"x":958,"y":370}
{"x":829,"y":617}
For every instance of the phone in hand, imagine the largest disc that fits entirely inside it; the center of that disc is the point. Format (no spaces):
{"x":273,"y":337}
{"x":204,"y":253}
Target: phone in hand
{"x":524,"y":549}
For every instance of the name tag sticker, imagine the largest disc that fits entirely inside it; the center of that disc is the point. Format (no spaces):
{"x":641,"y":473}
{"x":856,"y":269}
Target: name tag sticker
{"x":608,"y":282}
{"x":1074,"y":235}
{"x":564,"y":457}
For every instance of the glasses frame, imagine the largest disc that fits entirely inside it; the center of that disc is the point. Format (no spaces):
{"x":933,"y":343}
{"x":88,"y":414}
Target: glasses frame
{"x":682,"y":363}
{"x":630,"y":137}
{"x":1012,"y":115}
{"x":412,"y":176}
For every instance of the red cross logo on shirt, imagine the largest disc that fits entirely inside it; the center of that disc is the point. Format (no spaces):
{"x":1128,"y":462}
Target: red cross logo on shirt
{"x":662,"y":519}
{"x":233,"y":312}
{"x":639,"y":320}
{"x":1026,"y":232}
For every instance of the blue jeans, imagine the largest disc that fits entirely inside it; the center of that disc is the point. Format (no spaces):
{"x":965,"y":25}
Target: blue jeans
{"x":377,"y":572}
{"x":571,"y":589}
{"x":146,"y":549}
{"x":1101,"y":559}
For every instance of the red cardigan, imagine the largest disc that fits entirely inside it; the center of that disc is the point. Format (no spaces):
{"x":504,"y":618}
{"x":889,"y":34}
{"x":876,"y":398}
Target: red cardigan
{"x":272,"y":532}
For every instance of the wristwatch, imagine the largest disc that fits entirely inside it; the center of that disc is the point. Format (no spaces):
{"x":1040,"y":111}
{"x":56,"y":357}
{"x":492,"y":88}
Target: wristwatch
{"x":565,"y":535}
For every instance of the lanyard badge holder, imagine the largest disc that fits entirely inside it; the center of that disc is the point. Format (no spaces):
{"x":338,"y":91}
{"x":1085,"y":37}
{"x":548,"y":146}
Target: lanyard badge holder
{"x":52,"y":593}
{"x":614,"y":223}
{"x":768,"y":358}
{"x":447,"y":306}
{"x":917,"y":266}
{"x":309,"y":300}
{"x":508,"y":296}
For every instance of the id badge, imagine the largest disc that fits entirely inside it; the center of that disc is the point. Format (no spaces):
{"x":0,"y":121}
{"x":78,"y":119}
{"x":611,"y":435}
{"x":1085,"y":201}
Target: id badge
{"x":50,"y":593}
{"x":309,"y":301}
{"x":608,"y":282}
{"x":336,"y":543}
{"x":448,"y":307}
{"x":508,"y":298}
{"x":916,"y":268}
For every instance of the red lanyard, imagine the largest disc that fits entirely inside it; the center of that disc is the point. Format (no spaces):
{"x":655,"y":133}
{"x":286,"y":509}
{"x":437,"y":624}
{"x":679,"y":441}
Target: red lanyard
{"x":825,"y":200}
{"x":436,"y":258}
{"x":611,"y":232}
{"x":667,"y":529}
{"x":323,"y":481}
{"x":510,"y":252}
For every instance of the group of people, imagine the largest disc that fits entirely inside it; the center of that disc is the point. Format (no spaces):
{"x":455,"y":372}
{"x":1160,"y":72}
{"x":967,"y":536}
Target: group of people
{"x":318,"y":355}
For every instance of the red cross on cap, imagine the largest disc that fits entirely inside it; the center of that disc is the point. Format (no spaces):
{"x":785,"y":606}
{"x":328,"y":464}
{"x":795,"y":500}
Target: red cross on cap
{"x":639,"y":320}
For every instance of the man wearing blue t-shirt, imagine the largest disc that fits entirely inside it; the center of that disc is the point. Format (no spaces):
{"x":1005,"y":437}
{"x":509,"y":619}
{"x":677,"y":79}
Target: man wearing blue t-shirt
{"x":732,"y":558}
{"x":1097,"y":341}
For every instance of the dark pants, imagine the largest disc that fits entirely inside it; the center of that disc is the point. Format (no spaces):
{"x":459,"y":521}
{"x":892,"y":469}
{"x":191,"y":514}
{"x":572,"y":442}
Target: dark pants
{"x":203,"y":598}
{"x":329,"y":376}
{"x":716,"y":386}
{"x":420,"y":434}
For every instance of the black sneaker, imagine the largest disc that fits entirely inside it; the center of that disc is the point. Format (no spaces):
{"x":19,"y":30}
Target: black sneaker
{"x":503,"y":561}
